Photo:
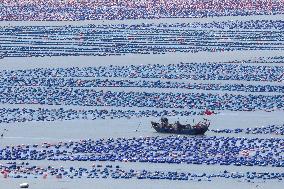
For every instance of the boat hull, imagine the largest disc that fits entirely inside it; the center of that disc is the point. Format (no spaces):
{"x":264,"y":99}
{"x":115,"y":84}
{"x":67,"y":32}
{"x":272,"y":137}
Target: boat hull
{"x":193,"y":131}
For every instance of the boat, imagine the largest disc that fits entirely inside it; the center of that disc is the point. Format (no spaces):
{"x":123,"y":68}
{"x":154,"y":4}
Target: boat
{"x":177,"y":128}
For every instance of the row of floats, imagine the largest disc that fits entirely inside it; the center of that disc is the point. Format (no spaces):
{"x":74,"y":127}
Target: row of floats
{"x":105,"y":40}
{"x":267,"y":152}
{"x":108,"y":171}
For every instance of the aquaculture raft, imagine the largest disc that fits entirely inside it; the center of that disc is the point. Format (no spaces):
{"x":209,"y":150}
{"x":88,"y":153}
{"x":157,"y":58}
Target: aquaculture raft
{"x":197,"y":129}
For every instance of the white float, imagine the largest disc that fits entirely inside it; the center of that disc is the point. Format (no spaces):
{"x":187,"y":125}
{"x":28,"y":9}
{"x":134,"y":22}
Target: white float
{"x":24,"y":185}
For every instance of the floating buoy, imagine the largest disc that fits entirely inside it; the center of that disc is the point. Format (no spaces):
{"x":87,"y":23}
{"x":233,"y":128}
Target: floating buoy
{"x":5,"y":174}
{"x":24,"y":185}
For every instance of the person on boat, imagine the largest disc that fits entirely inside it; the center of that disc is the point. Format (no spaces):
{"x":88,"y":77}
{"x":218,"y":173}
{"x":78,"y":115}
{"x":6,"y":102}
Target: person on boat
{"x":164,"y":122}
{"x":179,"y":126}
